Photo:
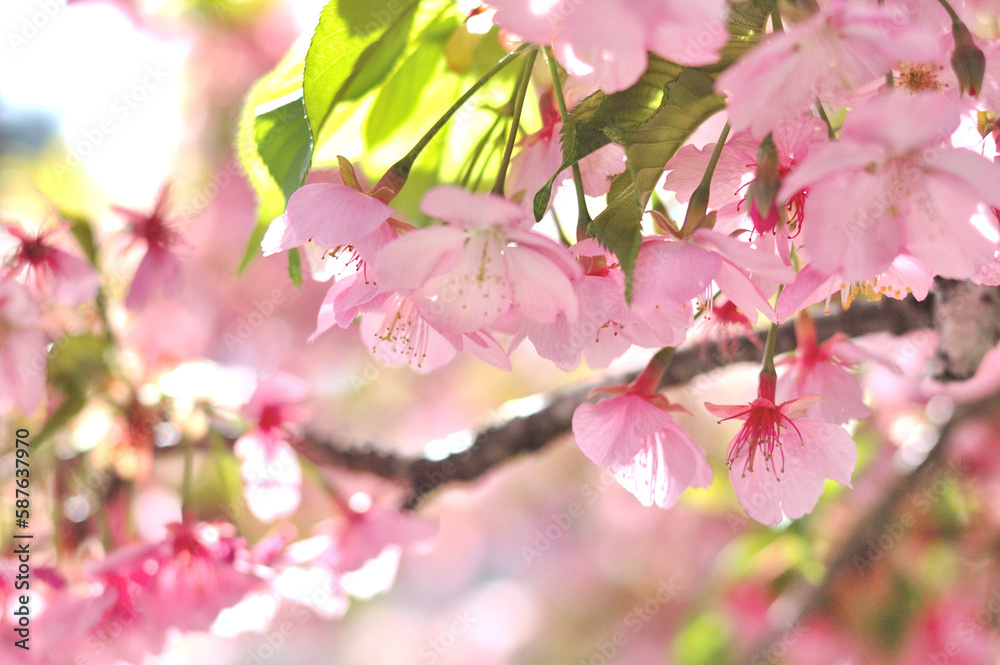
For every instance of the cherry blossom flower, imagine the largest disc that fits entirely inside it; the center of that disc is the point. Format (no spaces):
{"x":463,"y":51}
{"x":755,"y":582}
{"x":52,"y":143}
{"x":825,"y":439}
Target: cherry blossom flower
{"x":270,"y":467}
{"x":679,"y":270}
{"x":842,"y":47}
{"x":330,"y":215}
{"x":599,"y":331}
{"x":736,"y":171}
{"x":48,"y":271}
{"x":819,"y":369}
{"x":23,"y":352}
{"x":607,"y":41}
{"x":890,"y":188}
{"x":904,"y":276}
{"x":159,"y":270}
{"x":779,"y":460}
{"x":633,"y":434}
{"x":724,"y":322}
{"x":467,"y":273}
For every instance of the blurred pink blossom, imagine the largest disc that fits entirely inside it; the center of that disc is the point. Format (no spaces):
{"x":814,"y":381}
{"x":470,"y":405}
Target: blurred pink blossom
{"x":47,"y":271}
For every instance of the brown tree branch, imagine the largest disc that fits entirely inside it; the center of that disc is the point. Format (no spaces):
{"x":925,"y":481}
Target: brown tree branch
{"x":500,"y":443}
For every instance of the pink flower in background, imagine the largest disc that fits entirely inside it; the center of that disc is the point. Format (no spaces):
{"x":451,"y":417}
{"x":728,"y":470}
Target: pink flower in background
{"x":633,"y":434}
{"x":891,"y":188}
{"x":48,"y":271}
{"x":779,"y":461}
{"x":148,"y":592}
{"x":23,"y":352}
{"x":839,"y":49}
{"x":957,"y":629}
{"x":160,"y":268}
{"x":606,"y":42}
{"x":272,"y":477}
{"x":367,"y":533}
{"x":485,"y":260}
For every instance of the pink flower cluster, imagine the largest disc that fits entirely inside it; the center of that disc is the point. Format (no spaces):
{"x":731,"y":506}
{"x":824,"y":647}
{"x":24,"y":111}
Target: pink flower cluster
{"x":851,"y":167}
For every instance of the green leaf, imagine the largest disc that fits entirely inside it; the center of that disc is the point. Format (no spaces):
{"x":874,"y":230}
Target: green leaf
{"x":688,"y":102}
{"x":617,"y":228}
{"x":399,"y":98}
{"x":347,"y":56}
{"x":285,"y":144}
{"x":588,"y":124}
{"x":295,"y":267}
{"x":284,"y":80}
{"x":747,"y":21}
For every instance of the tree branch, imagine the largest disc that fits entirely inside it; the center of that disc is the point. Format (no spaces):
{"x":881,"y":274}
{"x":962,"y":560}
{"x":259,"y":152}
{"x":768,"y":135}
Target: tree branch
{"x":499,"y":443}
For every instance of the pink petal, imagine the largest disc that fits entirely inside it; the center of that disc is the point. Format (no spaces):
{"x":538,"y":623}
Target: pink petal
{"x":407,"y":263}
{"x":726,"y":411}
{"x":668,"y":463}
{"x":540,"y":290}
{"x":482,"y":345}
{"x":474,"y":292}
{"x":279,"y":237}
{"x":466,"y":210}
{"x":611,"y":432}
{"x":333,"y":215}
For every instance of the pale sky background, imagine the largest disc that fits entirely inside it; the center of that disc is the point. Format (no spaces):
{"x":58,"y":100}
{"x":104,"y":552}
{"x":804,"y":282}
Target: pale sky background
{"x":114,"y":91}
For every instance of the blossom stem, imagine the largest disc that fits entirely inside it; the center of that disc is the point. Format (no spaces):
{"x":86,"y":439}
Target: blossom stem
{"x":648,"y":381}
{"x":401,"y":169}
{"x":519,"y":94}
{"x":583,"y":215}
{"x":477,"y":152}
{"x":768,"y":374}
{"x":951,"y":11}
{"x":776,"y":21}
{"x":699,"y":199}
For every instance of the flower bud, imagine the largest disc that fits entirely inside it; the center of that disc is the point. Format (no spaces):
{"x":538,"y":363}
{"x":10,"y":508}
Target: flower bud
{"x":968,"y":60}
{"x":764,"y":187}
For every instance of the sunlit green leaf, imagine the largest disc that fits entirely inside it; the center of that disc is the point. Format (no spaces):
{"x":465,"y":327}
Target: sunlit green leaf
{"x":399,"y":97}
{"x":282,"y":82}
{"x":355,"y":46}
{"x":703,"y":641}
{"x":285,"y":144}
